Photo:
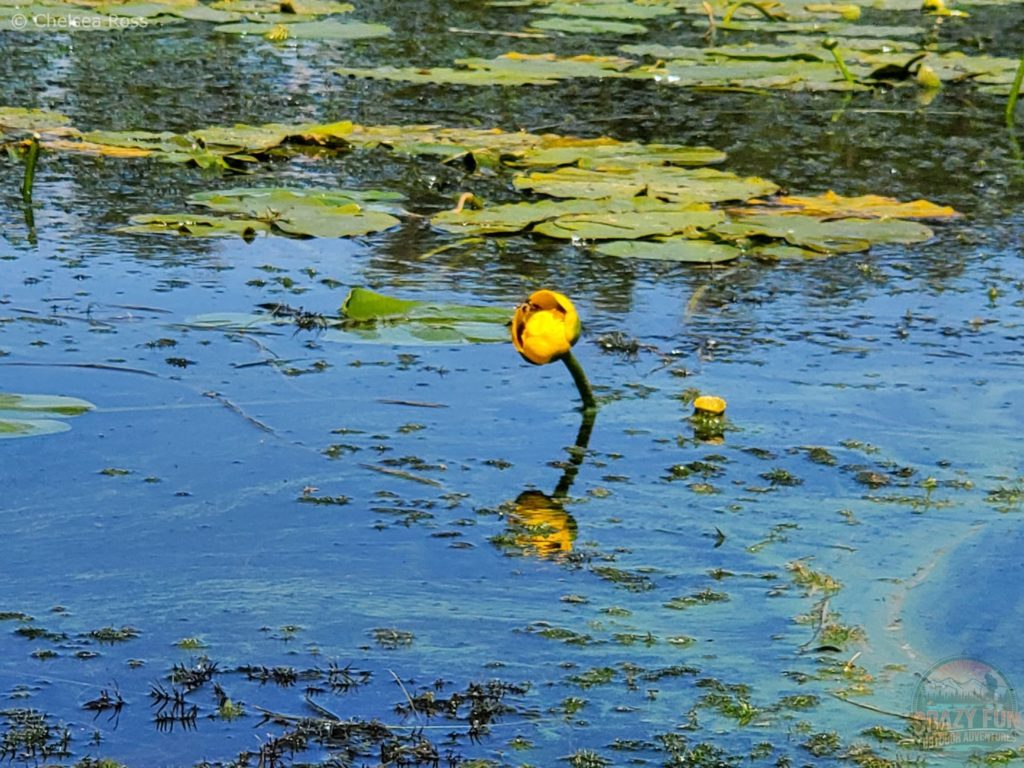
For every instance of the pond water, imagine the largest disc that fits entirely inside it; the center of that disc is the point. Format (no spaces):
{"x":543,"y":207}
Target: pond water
{"x":325,"y":533}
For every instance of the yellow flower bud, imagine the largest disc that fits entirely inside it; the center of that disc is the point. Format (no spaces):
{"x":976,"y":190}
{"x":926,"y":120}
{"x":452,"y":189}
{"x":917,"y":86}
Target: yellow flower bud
{"x":709,"y":404}
{"x":545,"y":327}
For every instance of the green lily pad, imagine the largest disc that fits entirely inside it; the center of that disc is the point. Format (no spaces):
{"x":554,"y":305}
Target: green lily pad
{"x":628,"y":226}
{"x":292,"y":7}
{"x":507,"y":69}
{"x":608,"y":155}
{"x":31,"y":427}
{"x":513,"y":217}
{"x":327,"y":29}
{"x":258,"y":201}
{"x":838,"y":236}
{"x":672,"y":184}
{"x":607,"y":10}
{"x":364,"y":305}
{"x":150,"y":9}
{"x":301,"y":212}
{"x":194,"y":225}
{"x":447,"y":76}
{"x":680,"y":249}
{"x":22,"y":119}
{"x":578,"y":26}
{"x":44,"y":404}
{"x":20,"y":414}
{"x":371,"y":317}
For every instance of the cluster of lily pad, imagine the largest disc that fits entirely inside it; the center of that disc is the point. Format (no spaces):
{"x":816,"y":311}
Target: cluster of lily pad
{"x":627,"y":199}
{"x":763,"y":44}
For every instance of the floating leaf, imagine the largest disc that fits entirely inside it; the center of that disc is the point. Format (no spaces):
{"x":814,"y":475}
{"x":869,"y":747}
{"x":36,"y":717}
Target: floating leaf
{"x":513,"y":217}
{"x":31,"y":427}
{"x":573,"y":26}
{"x":22,"y":119}
{"x":835,"y":206}
{"x":327,"y":29}
{"x":507,"y":69}
{"x":628,"y":226}
{"x":367,"y":316}
{"x":607,"y":155}
{"x":838,"y":236}
{"x":365,"y":305}
{"x":44,"y":404}
{"x":608,"y":10}
{"x":303,"y":212}
{"x":291,"y":7}
{"x":673,"y":184}
{"x":681,"y":249}
{"x":19,"y":414}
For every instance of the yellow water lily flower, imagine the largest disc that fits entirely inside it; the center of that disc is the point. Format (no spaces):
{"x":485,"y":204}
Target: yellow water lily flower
{"x":545,"y":327}
{"x":709,"y":404}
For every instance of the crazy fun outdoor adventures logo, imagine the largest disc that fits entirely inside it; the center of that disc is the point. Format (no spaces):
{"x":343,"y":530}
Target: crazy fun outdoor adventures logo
{"x":967,"y":701}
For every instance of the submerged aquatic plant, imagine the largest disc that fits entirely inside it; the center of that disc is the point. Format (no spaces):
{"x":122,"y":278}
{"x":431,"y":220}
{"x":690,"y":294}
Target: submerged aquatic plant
{"x":544,"y":329}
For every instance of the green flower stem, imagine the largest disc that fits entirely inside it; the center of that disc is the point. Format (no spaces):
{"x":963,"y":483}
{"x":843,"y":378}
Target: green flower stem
{"x":832,"y":46}
{"x":30,"y":169}
{"x":1011,"y":103}
{"x":582,"y":383}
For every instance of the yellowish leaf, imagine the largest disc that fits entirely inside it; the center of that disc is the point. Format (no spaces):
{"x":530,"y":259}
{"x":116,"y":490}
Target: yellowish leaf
{"x":835,"y":206}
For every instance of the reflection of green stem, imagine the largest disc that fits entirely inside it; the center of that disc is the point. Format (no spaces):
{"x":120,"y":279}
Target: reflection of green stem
{"x":30,"y":169}
{"x":576,"y":454}
{"x":1011,"y":103}
{"x":582,"y":383}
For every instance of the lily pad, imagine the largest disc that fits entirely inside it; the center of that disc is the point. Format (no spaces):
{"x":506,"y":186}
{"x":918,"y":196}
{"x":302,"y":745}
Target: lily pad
{"x":326,"y":29}
{"x":608,"y":10}
{"x":837,"y":236}
{"x":194,"y":226}
{"x":680,"y":249}
{"x":608,"y":155}
{"x":672,"y":184}
{"x":364,"y":305}
{"x":576,"y":26}
{"x":835,"y":206}
{"x":513,"y":217}
{"x":301,"y":212}
{"x":22,"y":119}
{"x":629,"y":226}
{"x":371,"y":317}
{"x":25,"y":415}
{"x":507,"y":69}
